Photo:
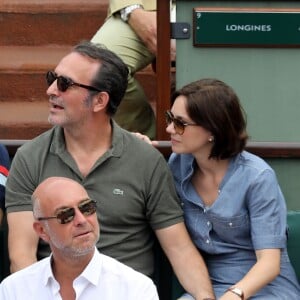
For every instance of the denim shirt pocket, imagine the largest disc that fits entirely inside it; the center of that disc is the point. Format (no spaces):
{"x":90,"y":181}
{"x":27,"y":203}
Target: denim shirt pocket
{"x":233,"y":229}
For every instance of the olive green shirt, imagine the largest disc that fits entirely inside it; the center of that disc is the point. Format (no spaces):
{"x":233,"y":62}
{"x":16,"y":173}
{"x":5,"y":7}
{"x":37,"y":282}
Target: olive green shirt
{"x":116,"y":5}
{"x":131,"y":183}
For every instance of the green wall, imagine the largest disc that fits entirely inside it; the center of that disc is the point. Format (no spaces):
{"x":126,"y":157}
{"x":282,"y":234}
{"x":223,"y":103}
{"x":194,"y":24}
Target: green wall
{"x":267,"y":81}
{"x":288,"y":174}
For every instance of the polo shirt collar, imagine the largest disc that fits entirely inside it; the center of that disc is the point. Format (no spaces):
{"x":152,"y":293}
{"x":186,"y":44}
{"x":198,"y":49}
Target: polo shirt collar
{"x":58,"y":144}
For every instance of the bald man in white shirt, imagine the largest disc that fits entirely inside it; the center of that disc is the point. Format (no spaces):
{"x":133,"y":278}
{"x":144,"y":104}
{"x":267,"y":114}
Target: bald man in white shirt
{"x":65,"y":217}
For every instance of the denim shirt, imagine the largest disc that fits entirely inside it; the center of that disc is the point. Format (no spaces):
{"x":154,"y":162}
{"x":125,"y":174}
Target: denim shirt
{"x":249,"y":214}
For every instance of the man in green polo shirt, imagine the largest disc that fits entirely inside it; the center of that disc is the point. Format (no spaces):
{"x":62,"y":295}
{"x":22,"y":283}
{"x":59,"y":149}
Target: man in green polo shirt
{"x":129,"y":178}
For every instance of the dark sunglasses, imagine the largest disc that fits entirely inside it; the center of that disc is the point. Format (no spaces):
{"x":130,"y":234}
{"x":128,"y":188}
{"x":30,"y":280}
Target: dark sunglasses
{"x":65,"y":215}
{"x":63,"y":83}
{"x":178,"y":124}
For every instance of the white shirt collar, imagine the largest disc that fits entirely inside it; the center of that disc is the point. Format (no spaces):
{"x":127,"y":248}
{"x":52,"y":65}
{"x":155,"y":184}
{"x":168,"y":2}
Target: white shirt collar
{"x":90,"y":275}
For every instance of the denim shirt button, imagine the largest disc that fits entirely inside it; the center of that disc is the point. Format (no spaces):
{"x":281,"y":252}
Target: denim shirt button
{"x":207,"y":241}
{"x":208,"y":223}
{"x":230,"y":224}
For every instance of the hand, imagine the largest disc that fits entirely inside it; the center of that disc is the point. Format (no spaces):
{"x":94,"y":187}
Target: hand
{"x":146,"y":139}
{"x":142,"y":137}
{"x":173,"y":50}
{"x":229,"y":296}
{"x":144,"y":25}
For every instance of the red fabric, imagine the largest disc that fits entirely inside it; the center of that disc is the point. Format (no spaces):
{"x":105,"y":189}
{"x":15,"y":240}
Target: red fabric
{"x":4,"y":171}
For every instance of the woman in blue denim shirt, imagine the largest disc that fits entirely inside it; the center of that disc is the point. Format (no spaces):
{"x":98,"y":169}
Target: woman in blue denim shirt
{"x":233,"y":206}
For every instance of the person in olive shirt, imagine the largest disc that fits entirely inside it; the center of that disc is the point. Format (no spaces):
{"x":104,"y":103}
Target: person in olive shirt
{"x":130,"y":178}
{"x":136,"y":44}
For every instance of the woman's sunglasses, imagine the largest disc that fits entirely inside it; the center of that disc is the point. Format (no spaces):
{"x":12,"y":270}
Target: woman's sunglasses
{"x":65,"y":215}
{"x":63,"y":83}
{"x":178,"y":124}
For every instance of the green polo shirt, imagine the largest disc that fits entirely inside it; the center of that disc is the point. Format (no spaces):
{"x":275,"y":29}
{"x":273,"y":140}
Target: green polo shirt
{"x":131,"y":183}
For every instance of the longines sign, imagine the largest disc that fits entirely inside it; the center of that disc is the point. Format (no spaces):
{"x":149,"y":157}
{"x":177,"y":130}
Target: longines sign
{"x":226,"y":27}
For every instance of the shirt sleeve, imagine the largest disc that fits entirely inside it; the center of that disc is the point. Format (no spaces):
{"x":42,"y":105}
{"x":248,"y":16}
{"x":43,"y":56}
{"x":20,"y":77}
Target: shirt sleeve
{"x":163,"y":205}
{"x":267,"y":211}
{"x":116,"y":5}
{"x":20,"y":185}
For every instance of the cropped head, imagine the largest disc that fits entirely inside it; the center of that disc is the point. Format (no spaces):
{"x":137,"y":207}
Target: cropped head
{"x":212,"y":106}
{"x":65,"y":217}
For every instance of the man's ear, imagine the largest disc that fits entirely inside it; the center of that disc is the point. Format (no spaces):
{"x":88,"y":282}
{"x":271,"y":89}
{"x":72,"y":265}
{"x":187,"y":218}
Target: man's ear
{"x":40,"y":230}
{"x":101,"y":101}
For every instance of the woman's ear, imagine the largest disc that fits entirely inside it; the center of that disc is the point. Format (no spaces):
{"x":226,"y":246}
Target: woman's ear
{"x":40,"y":230}
{"x":100,"y":101}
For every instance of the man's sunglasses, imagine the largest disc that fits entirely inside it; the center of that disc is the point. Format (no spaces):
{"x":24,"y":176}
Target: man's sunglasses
{"x":178,"y":124}
{"x":65,"y":215}
{"x":63,"y":83}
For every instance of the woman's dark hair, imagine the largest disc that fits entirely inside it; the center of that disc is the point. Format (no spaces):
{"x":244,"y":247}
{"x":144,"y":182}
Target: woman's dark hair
{"x":112,"y":76}
{"x":215,"y":106}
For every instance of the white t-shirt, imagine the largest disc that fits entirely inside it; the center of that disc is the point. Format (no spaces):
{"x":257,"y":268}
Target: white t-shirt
{"x":103,"y":278}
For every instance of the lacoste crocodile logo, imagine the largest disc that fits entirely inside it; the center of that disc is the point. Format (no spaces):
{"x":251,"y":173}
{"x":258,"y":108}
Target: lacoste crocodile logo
{"x":118,"y":192}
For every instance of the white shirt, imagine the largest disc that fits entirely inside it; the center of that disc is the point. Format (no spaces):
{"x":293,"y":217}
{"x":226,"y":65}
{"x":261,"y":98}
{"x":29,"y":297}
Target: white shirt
{"x":103,"y":278}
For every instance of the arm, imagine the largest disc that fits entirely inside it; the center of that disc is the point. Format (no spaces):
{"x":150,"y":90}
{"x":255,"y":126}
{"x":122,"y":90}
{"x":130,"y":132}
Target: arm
{"x":144,"y":25}
{"x":267,"y":212}
{"x":22,"y":240}
{"x":186,"y":261}
{"x":142,"y":22}
{"x":258,"y":277}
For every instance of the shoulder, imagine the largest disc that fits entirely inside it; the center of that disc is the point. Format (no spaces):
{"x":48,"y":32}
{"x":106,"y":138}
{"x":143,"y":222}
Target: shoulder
{"x":36,"y":145}
{"x":253,"y":161}
{"x":130,"y":144}
{"x":4,"y":157}
{"x":28,"y":161}
{"x":117,"y":269}
{"x":31,"y":274}
{"x":45,"y":137}
{"x":3,"y":150}
{"x":131,"y":284}
{"x":180,"y":164}
{"x":252,"y":169}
